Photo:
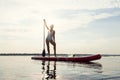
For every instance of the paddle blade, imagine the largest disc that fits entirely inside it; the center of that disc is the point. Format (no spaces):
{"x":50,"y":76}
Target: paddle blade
{"x":43,"y":53}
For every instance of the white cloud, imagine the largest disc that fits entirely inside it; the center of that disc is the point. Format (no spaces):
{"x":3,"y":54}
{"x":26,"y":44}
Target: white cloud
{"x":106,"y":15}
{"x":24,"y":18}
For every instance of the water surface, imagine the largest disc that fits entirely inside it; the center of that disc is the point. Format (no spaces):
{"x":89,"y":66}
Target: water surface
{"x":23,"y":68}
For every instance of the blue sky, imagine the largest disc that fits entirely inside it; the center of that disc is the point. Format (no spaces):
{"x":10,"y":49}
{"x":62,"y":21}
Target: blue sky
{"x":82,"y":26}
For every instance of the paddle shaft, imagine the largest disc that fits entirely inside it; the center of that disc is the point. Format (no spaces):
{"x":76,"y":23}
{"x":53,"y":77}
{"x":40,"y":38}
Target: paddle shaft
{"x":43,"y":53}
{"x":43,"y":37}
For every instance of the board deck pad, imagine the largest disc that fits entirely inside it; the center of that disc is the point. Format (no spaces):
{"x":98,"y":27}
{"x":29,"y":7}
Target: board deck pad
{"x":73,"y":59}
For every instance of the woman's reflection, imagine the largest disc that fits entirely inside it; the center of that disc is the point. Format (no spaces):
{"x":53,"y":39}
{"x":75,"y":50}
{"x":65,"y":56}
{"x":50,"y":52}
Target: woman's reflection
{"x":49,"y":73}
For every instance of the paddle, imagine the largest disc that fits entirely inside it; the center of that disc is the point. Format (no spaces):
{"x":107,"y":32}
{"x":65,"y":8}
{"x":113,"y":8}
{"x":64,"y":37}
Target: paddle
{"x":43,"y":52}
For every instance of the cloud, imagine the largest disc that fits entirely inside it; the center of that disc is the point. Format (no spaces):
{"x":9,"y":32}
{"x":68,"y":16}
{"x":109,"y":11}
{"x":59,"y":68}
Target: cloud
{"x":71,"y":19}
{"x":22,"y":20}
{"x":28,"y":15}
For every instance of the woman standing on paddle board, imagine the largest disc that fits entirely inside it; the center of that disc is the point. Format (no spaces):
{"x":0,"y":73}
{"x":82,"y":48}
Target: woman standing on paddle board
{"x":50,"y":38}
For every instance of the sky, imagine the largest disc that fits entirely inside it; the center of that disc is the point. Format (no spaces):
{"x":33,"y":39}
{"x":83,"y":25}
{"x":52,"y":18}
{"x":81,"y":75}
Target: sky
{"x":82,"y":26}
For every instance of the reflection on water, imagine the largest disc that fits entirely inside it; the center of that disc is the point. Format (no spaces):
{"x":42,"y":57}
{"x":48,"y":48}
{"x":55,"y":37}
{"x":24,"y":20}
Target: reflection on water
{"x":49,"y":68}
{"x":23,"y":68}
{"x":93,"y":65}
{"x":47,"y":72}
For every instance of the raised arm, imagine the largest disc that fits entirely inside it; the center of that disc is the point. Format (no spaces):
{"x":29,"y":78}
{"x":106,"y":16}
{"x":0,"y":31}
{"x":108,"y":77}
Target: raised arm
{"x":45,"y":24}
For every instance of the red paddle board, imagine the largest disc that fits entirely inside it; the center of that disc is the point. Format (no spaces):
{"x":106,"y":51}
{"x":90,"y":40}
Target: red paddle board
{"x":73,"y":59}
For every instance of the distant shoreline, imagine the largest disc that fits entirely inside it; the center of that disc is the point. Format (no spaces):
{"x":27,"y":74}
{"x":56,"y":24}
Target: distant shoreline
{"x":27,"y":54}
{"x":19,"y":54}
{"x":39,"y":54}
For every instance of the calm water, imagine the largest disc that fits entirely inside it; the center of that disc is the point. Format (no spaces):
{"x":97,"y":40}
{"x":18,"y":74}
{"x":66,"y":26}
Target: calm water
{"x":23,"y":68}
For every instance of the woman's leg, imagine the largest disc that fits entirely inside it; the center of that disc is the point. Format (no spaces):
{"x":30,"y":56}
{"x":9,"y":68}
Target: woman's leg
{"x":54,"y":46}
{"x":48,"y":48}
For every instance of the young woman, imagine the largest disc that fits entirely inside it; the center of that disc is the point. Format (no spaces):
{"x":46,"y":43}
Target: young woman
{"x":50,"y":38}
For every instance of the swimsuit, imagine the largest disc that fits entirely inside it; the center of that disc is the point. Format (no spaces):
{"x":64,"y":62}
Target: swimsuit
{"x":50,"y":35}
